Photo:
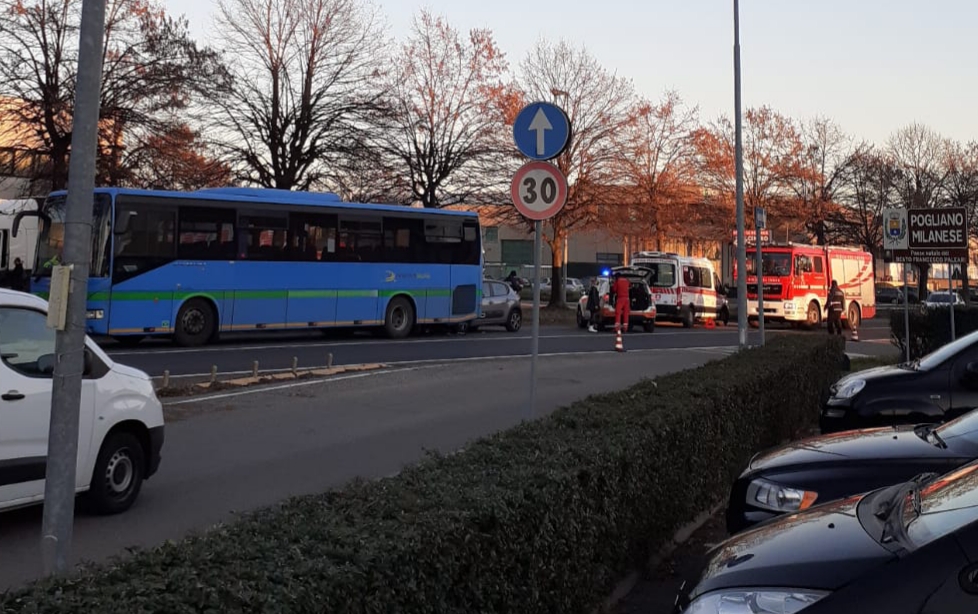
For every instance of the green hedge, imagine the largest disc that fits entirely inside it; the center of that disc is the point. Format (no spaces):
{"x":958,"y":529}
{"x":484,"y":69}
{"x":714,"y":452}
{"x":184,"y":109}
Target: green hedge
{"x":544,"y":517}
{"x":931,"y":328}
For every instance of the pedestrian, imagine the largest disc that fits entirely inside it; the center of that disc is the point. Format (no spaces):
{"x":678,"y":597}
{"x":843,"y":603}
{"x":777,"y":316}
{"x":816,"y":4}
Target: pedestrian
{"x":514,"y":282}
{"x":835,"y":306}
{"x":622,"y":301}
{"x":18,"y":279}
{"x":594,"y":306}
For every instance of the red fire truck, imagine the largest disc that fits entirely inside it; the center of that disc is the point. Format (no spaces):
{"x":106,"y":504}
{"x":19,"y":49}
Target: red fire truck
{"x":797,"y":278}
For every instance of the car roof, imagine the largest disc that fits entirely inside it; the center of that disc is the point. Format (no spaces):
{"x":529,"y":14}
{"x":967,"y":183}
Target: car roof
{"x":13,"y":298}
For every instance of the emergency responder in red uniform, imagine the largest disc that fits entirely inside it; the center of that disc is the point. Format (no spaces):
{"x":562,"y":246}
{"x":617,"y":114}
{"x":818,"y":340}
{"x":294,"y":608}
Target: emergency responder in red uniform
{"x":835,"y":306}
{"x":622,"y":301}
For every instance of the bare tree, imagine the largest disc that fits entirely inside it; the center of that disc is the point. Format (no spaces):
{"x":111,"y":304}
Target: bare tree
{"x":825,"y":153}
{"x":441,"y":126}
{"x":919,"y":154}
{"x":306,"y":74}
{"x":869,"y":183}
{"x":151,"y":68}
{"x":597,"y":103}
{"x":657,"y":156}
{"x":961,"y":190}
{"x":175,"y":160}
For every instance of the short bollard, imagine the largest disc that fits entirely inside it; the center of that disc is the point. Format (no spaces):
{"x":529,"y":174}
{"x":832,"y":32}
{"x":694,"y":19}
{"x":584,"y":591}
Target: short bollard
{"x":166,"y":378}
{"x":254,"y":369}
{"x":329,"y":360}
{"x":213,"y":374}
{"x":295,"y":366}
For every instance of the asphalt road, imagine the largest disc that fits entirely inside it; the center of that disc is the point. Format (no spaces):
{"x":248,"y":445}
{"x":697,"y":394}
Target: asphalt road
{"x":235,"y":354}
{"x":237,"y":451}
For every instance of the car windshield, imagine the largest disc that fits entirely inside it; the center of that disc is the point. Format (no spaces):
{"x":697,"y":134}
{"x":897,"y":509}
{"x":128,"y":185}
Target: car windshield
{"x":947,"y":503}
{"x":773,"y":264}
{"x":941,"y":354}
{"x":962,"y":428}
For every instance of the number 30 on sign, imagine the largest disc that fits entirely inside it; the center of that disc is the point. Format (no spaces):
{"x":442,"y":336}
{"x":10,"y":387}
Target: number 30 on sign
{"x":539,"y":190}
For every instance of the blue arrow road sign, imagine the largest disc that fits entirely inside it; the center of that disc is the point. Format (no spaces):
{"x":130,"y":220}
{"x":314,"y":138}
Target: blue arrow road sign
{"x":541,"y":131}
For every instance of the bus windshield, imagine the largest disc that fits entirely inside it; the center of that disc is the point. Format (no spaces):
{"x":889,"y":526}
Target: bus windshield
{"x":773,"y":264}
{"x":50,"y":247}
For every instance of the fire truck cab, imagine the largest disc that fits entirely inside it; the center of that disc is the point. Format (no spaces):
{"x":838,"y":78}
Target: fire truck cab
{"x":796,"y":280}
{"x":684,"y":289}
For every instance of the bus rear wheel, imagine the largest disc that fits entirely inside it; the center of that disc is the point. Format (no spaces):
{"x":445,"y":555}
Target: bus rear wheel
{"x":196,"y":323}
{"x":399,"y":318}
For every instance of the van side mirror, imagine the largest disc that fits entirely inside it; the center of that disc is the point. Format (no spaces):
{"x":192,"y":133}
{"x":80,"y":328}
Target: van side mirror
{"x":45,"y":364}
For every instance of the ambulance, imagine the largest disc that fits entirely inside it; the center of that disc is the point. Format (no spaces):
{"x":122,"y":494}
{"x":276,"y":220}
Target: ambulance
{"x":684,"y":289}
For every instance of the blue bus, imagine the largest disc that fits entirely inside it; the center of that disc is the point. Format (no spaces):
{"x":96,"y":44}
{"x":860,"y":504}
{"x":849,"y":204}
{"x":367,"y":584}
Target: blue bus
{"x":193,"y":265}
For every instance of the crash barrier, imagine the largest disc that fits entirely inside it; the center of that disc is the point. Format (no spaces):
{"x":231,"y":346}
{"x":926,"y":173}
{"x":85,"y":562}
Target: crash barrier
{"x":544,"y":517}
{"x":931,"y":328}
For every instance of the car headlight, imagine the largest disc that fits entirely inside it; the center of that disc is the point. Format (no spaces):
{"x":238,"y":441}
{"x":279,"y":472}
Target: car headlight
{"x":850,"y":389}
{"x":769,"y":495}
{"x":755,"y":601}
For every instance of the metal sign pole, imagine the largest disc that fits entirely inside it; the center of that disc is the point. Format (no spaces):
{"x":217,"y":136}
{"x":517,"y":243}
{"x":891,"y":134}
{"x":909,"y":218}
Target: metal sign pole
{"x":535,"y":343}
{"x":739,"y":179}
{"x":950,"y":291}
{"x":59,"y":486}
{"x":906,"y":311}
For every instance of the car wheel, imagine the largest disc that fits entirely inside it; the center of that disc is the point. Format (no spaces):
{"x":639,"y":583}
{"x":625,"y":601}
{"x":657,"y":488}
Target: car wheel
{"x":399,"y":318}
{"x":581,"y":322}
{"x":118,"y":474}
{"x":649,"y":327}
{"x":515,"y":321}
{"x":196,"y":323}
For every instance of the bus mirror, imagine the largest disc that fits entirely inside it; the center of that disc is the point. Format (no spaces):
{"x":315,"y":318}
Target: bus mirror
{"x":22,"y":214}
{"x":122,"y":222}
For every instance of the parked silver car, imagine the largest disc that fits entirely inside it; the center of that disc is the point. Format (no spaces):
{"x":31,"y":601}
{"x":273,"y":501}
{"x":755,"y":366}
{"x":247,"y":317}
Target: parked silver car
{"x":500,"y":306}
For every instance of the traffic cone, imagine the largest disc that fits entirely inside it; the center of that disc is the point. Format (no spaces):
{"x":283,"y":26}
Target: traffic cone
{"x":709,"y":323}
{"x":855,"y":334}
{"x":619,"y":346}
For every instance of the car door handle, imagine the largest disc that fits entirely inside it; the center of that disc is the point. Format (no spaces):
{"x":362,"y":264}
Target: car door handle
{"x":13,"y":395}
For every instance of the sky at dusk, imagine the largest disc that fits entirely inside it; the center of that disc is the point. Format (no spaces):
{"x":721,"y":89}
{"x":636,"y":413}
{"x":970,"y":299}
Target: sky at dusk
{"x":871,"y":65}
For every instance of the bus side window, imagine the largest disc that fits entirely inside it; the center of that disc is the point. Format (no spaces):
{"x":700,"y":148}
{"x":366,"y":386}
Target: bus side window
{"x":263,"y":237}
{"x":404,"y":240}
{"x":206,"y":233}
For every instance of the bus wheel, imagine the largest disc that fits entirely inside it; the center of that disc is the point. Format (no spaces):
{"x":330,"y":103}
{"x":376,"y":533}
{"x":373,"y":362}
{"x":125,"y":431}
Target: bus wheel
{"x":196,"y":323}
{"x":129,"y":341}
{"x":399,"y":318}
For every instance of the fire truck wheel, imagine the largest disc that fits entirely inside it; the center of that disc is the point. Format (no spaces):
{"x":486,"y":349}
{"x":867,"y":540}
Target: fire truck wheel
{"x":814,"y":315}
{"x":855,"y":318}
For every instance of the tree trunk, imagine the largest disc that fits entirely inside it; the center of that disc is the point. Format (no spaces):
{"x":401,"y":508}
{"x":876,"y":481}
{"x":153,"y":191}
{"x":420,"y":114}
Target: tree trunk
{"x":558,"y":287}
{"x":59,"y":166}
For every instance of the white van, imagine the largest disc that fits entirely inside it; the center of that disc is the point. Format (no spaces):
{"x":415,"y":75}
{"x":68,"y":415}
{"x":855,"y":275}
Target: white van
{"x":120,"y":427}
{"x":684,"y":289}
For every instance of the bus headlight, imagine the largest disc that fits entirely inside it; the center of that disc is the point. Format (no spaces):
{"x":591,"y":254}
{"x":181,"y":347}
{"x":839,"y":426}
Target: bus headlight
{"x":95,"y":314}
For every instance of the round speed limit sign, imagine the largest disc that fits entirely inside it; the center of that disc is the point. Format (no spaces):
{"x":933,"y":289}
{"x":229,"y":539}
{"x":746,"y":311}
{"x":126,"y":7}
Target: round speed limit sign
{"x":539,"y":190}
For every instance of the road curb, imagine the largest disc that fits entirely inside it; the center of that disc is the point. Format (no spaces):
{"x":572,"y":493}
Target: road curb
{"x":626,"y":585}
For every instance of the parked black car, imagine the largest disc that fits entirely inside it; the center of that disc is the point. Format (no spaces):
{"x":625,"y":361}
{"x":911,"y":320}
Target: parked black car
{"x":935,"y":388}
{"x":888,"y":295}
{"x":909,"y":548}
{"x":796,"y":476}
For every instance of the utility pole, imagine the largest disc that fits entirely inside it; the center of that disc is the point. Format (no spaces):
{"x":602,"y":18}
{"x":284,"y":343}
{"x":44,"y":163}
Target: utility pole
{"x":739,"y":155}
{"x":59,"y":487}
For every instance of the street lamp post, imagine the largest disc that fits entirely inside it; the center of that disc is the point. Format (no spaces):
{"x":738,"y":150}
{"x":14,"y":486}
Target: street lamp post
{"x":739,"y":155}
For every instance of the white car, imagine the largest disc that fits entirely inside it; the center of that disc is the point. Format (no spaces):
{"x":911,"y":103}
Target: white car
{"x":942,"y":299}
{"x":120,"y":426}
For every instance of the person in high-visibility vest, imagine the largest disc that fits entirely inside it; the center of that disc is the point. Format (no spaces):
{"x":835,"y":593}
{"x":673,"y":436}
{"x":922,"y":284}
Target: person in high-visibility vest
{"x":835,"y":306}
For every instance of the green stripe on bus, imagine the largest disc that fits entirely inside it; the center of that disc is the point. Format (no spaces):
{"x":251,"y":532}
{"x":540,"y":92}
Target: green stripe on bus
{"x":261,"y":294}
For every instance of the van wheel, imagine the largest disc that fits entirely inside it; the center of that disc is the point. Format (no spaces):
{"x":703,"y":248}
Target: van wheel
{"x":399,"y":319}
{"x":689,"y":317}
{"x":118,"y":474}
{"x":196,"y":323}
